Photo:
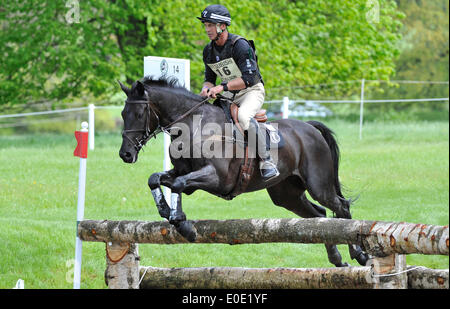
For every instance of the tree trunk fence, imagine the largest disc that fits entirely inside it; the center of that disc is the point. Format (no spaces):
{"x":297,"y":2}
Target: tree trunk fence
{"x":386,"y":242}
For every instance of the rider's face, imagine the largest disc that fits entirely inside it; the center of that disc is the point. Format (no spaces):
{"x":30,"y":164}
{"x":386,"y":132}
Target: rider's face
{"x":211,"y":30}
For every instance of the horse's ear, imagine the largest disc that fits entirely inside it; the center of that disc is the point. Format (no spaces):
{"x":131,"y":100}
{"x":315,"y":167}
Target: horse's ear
{"x":124,"y":88}
{"x":140,"y":88}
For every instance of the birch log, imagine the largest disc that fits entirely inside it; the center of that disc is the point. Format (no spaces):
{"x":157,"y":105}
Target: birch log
{"x":255,"y":278}
{"x":426,"y":278}
{"x":376,"y":237}
{"x":283,"y":278}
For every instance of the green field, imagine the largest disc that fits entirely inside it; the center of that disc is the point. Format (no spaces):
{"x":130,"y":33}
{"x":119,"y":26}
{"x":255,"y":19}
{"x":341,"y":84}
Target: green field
{"x":399,"y":171}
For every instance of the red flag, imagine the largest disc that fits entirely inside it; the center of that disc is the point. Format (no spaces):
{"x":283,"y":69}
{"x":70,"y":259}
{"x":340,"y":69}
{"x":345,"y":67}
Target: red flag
{"x":82,"y":144}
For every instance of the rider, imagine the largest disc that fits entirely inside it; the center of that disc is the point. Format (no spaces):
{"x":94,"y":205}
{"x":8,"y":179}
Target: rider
{"x":233,"y":59}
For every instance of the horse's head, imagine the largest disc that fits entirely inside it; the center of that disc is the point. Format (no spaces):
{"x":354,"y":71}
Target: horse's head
{"x":140,"y":121}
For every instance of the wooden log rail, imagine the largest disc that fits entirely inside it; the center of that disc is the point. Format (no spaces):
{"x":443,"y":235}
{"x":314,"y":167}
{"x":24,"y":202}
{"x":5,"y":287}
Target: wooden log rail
{"x":378,"y":238}
{"x":255,"y":278}
{"x":387,"y":242}
{"x":283,"y":278}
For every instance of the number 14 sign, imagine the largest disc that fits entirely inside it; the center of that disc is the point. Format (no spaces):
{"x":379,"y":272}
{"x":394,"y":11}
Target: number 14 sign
{"x":168,"y":67}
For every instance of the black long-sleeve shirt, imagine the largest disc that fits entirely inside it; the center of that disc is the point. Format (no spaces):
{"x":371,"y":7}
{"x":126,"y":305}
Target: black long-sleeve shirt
{"x":242,"y":54}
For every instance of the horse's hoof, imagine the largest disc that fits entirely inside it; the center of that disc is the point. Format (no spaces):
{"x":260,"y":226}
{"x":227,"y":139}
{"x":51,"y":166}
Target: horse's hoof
{"x":362,"y":258}
{"x":343,"y":265}
{"x":187,"y":230}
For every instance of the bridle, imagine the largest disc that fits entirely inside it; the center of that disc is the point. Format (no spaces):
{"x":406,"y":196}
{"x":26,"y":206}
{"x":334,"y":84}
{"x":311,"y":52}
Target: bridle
{"x":138,"y":143}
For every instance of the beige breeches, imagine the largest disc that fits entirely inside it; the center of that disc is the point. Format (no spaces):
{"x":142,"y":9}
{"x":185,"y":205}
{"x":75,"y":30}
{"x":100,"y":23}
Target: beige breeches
{"x":250,"y":101}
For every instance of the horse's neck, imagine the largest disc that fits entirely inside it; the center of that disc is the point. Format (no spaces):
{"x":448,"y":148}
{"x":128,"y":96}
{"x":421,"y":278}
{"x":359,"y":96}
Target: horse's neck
{"x":171,"y":110}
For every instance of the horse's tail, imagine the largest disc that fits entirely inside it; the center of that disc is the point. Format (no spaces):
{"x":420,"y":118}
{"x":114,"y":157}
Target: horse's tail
{"x":328,"y":135}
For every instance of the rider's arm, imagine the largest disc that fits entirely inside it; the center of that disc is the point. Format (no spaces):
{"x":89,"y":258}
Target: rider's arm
{"x":210,"y":76}
{"x":236,"y":84}
{"x":246,"y":61}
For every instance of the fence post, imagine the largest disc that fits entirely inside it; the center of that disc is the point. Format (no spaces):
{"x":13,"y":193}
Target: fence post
{"x":167,"y":165}
{"x":91,"y":126}
{"x":122,"y":270}
{"x":361,"y":109}
{"x":80,"y":151}
{"x":390,"y":272}
{"x":285,"y":107}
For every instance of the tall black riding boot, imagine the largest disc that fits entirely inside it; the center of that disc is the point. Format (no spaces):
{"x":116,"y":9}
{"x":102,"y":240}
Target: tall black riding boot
{"x":267,"y":167}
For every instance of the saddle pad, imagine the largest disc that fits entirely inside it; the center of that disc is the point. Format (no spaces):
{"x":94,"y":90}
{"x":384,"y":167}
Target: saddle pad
{"x":274,"y":138}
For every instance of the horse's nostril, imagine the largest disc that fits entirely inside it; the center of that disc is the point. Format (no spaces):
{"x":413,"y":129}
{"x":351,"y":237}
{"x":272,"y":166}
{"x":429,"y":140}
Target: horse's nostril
{"x":125,"y":155}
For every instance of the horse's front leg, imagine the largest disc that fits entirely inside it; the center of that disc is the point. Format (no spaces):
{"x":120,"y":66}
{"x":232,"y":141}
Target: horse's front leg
{"x":205,"y":178}
{"x":154,"y":182}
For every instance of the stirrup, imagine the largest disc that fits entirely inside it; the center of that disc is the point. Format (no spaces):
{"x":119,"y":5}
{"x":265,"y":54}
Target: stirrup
{"x":268,"y":169}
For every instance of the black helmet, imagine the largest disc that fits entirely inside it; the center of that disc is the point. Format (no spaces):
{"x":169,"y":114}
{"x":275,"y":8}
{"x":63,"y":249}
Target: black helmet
{"x":217,"y":14}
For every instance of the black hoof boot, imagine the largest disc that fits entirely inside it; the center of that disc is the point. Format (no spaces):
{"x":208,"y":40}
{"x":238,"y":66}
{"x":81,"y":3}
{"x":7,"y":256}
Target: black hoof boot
{"x":187,"y":230}
{"x":360,"y":256}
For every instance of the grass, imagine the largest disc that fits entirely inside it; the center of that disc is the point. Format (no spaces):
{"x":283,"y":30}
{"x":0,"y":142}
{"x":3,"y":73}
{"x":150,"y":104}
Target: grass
{"x":399,"y":171}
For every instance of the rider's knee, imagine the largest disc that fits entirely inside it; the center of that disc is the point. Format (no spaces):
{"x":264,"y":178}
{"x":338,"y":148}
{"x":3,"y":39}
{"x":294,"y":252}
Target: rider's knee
{"x":244,"y":119}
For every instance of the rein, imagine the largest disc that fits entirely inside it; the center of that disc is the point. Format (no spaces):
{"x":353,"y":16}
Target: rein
{"x":148,"y":134}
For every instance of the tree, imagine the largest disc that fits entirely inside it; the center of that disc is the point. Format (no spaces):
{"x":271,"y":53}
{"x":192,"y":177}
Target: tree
{"x":424,"y":47}
{"x":51,"y":53}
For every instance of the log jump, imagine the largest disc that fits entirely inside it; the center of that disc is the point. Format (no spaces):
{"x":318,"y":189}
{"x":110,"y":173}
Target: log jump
{"x":387,"y":242}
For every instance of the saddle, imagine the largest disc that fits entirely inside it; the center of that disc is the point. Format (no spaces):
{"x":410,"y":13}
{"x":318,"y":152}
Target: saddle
{"x":274,"y":138}
{"x":234,"y":109}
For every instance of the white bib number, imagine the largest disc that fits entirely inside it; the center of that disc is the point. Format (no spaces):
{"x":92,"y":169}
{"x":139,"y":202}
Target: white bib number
{"x":226,"y":69}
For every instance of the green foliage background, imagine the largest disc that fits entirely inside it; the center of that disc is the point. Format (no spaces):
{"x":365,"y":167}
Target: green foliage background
{"x":47,"y":58}
{"x":424,"y":47}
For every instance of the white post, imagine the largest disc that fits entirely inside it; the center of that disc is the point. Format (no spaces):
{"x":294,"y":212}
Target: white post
{"x":91,"y":126}
{"x":167,"y":166}
{"x":169,"y":67}
{"x":80,"y":215}
{"x":361,"y":109}
{"x":285,"y":107}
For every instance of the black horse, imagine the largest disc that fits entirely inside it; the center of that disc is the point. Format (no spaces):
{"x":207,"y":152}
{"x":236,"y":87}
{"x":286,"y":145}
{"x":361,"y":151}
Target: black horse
{"x":308,"y":161}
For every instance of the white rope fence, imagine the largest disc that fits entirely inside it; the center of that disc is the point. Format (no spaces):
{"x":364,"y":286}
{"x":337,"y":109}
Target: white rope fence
{"x":45,"y":112}
{"x":285,"y":104}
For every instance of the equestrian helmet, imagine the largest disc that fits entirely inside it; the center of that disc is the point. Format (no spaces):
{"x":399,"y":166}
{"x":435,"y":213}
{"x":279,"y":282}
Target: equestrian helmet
{"x":217,"y":14}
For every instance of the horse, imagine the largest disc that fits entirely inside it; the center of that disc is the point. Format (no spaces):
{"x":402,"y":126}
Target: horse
{"x":308,"y":161}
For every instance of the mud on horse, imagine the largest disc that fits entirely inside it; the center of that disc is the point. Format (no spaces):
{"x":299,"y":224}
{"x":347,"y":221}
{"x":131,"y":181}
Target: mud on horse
{"x":308,"y":161}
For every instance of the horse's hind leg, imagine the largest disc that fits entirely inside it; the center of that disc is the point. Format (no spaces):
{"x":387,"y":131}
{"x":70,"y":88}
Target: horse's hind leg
{"x":326,"y":195}
{"x":290,"y":194}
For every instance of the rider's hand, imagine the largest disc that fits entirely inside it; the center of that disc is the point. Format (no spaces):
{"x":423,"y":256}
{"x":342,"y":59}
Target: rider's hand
{"x":215,"y":90}
{"x":204,"y":92}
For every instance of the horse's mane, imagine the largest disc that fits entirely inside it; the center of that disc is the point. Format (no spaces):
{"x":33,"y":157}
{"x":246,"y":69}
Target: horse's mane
{"x":172,"y":84}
